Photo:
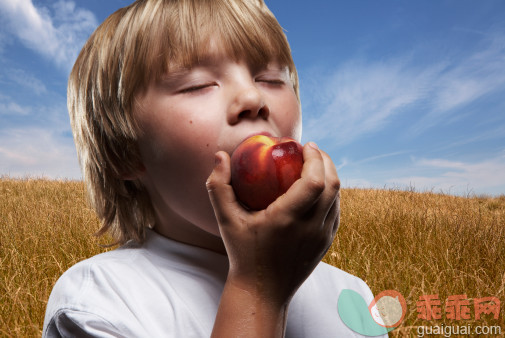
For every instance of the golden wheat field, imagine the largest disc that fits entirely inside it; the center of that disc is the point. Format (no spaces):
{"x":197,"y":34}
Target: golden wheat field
{"x":412,"y":242}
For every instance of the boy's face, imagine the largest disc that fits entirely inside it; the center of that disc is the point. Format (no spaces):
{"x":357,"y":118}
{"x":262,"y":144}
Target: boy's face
{"x":189,"y":115}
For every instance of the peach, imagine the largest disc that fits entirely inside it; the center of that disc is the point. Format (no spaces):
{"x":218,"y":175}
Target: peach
{"x":263,"y":168}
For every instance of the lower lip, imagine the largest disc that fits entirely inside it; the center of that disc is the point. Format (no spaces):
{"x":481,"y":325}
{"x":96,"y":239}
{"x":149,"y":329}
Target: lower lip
{"x":262,"y":133}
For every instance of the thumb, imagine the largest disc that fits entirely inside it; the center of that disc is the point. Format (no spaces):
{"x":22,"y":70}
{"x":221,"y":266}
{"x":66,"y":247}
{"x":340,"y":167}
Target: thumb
{"x":221,"y":194}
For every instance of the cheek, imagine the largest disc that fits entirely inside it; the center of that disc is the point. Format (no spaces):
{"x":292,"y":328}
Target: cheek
{"x":289,"y":117}
{"x":179,"y":159}
{"x":190,"y":147}
{"x":182,"y":159}
{"x":297,"y":126}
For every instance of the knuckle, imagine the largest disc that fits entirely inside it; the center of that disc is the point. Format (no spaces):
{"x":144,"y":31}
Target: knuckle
{"x":278,"y":215}
{"x":324,"y":154}
{"x":335,"y":184}
{"x":211,"y":184}
{"x":315,"y":185}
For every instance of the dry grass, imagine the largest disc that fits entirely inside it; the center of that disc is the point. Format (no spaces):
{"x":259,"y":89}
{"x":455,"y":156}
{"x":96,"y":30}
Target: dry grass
{"x":422,"y":244}
{"x":44,"y":229}
{"x":415,"y":243}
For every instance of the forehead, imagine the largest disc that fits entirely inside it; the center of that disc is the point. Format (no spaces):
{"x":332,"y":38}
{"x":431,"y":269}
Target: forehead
{"x":214,"y":54}
{"x":183,"y":36}
{"x":215,"y":49}
{"x":164,"y":36}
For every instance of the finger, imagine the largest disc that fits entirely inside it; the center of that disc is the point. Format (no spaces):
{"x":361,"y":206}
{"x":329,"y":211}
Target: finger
{"x":329,"y":203}
{"x":330,"y":227}
{"x":221,"y":194}
{"x":331,"y":186}
{"x":305,"y":192}
{"x":333,"y":190}
{"x":330,"y":170}
{"x":332,"y":220}
{"x":336,"y":222}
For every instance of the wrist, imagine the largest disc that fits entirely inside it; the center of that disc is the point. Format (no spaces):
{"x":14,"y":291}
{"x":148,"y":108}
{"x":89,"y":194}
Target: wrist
{"x":246,"y":311}
{"x":261,"y":290}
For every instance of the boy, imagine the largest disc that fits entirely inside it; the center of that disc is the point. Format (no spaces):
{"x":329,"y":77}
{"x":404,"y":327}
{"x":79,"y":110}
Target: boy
{"x":160,"y":95}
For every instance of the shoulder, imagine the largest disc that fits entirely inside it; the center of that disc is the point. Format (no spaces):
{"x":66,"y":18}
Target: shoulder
{"x":126,"y":289}
{"x":86,"y":291}
{"x":79,"y":279}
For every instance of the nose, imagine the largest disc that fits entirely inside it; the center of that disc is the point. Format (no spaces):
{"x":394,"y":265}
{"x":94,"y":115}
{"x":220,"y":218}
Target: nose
{"x":247,"y":103}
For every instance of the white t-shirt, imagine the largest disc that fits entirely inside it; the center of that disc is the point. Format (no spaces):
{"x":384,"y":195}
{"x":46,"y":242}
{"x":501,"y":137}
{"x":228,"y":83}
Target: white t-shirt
{"x":165,"y":288}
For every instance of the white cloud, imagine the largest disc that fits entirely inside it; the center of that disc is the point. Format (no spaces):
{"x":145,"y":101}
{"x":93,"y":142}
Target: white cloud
{"x":37,"y":152}
{"x":380,"y":156}
{"x":9,"y":107}
{"x":360,"y":98}
{"x":480,"y":73}
{"x":457,"y":177}
{"x":492,"y":134}
{"x":56,"y":34}
{"x":26,"y":80}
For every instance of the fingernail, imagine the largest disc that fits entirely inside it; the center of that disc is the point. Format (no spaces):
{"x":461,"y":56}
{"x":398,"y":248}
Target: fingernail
{"x":217,"y":159}
{"x":313,"y":145}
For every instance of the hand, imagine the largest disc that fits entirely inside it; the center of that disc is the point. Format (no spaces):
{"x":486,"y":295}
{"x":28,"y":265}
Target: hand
{"x":272,"y":251}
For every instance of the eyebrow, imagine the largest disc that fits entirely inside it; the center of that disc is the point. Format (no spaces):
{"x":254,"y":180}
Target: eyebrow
{"x":179,"y":72}
{"x":174,"y":75}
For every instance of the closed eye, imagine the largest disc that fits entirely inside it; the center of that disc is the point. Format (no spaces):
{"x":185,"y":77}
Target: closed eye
{"x":276,"y":82}
{"x":196,"y":88}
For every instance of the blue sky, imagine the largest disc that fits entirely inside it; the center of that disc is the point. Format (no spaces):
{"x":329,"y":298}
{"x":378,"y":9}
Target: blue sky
{"x":399,"y":93}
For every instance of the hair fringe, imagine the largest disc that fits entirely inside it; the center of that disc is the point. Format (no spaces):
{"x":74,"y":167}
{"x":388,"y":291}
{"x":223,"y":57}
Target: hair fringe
{"x":133,"y":46}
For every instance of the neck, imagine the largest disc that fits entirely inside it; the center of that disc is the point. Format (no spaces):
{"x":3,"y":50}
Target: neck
{"x":185,"y":232}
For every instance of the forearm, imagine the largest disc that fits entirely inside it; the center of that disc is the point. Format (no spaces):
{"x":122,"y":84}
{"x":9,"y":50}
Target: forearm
{"x":245,"y":313}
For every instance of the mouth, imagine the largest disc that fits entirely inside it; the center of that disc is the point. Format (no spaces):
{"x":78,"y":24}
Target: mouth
{"x":265,"y":133}
{"x":240,"y":140}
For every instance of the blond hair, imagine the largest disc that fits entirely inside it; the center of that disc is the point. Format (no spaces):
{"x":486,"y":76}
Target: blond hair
{"x":133,"y":45}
